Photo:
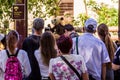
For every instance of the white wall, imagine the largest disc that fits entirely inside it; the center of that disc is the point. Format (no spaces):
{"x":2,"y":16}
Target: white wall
{"x":79,"y":7}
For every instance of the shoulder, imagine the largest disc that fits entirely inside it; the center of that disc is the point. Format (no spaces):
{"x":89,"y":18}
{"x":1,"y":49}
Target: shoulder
{"x":22,"y":52}
{"x":118,"y":51}
{"x":74,"y":34}
{"x":3,"y":53}
{"x":37,"y":52}
{"x":26,"y":41}
{"x":54,"y":60}
{"x":90,"y":38}
{"x":22,"y":56}
{"x":75,"y":38}
{"x":77,"y":57}
{"x":3,"y":56}
{"x":29,"y":38}
{"x":97,"y":40}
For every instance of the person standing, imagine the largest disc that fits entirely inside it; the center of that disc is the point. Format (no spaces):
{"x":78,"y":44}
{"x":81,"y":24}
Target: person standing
{"x":45,"y":52}
{"x":93,"y":50}
{"x":30,"y":44}
{"x":59,"y":70}
{"x":9,"y":54}
{"x":103,"y":33}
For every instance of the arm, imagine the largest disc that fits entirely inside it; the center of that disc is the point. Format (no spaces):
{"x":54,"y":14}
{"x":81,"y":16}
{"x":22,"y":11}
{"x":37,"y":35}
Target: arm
{"x":116,"y":61}
{"x":51,"y":76}
{"x":26,"y":64}
{"x":115,"y":67}
{"x":103,"y":71}
{"x":104,"y":59}
{"x":85,"y":76}
{"x":84,"y":70}
{"x":1,"y":68}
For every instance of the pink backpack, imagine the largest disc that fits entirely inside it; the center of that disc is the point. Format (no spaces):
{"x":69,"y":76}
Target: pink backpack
{"x":13,"y":69}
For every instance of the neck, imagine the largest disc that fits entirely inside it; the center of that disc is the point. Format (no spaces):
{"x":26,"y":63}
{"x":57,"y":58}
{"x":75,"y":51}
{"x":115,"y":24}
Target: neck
{"x":65,"y":53}
{"x":37,"y":33}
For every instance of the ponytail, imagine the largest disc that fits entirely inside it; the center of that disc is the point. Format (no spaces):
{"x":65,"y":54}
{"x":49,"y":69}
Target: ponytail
{"x":110,"y":46}
{"x":103,"y":33}
{"x":11,"y":40}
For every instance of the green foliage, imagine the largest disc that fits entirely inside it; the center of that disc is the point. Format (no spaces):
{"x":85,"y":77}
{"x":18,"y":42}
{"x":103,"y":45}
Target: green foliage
{"x":5,"y":14}
{"x":80,"y":20}
{"x":43,"y":8}
{"x":106,"y":14}
{"x":5,"y":8}
{"x":39,"y":8}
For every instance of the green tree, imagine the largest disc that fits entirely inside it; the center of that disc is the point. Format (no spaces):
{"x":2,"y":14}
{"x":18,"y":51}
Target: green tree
{"x":80,"y":20}
{"x":39,"y":8}
{"x":44,"y":8}
{"x":5,"y":14}
{"x":106,"y":14}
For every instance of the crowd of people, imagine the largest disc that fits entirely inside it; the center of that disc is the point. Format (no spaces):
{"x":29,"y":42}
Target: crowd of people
{"x":69,"y":56}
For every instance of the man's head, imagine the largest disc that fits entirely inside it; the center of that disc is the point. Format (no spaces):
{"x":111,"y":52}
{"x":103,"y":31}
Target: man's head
{"x":38,"y":24}
{"x":68,"y":29}
{"x":90,"y":25}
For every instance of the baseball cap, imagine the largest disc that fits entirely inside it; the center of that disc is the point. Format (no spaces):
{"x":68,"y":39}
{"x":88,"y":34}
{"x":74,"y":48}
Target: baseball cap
{"x":91,"y":22}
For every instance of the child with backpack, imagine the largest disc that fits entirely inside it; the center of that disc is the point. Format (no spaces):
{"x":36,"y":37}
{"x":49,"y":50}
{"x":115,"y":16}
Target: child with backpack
{"x":14,"y":63}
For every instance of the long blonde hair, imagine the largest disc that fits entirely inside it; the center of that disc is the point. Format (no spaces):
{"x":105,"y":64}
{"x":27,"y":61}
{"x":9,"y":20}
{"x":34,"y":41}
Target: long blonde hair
{"x":11,"y":40}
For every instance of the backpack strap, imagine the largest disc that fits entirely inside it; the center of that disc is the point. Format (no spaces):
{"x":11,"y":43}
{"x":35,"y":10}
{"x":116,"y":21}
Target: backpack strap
{"x":12,"y":54}
{"x":77,"y":45}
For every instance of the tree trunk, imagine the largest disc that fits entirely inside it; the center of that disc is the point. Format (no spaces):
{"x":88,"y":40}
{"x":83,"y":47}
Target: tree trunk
{"x":21,"y":25}
{"x":86,"y":7}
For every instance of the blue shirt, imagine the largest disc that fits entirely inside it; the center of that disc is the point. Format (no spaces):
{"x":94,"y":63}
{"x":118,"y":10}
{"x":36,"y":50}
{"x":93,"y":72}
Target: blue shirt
{"x":94,"y":52}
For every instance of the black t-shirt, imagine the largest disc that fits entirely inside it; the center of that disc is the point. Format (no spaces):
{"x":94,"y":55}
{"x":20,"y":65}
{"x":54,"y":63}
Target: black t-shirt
{"x":30,"y":44}
{"x":117,"y":62}
{"x":117,"y":57}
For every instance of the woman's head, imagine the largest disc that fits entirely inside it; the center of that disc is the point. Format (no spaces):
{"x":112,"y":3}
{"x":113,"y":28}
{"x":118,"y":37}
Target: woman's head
{"x":64,"y":44}
{"x":103,"y":31}
{"x":47,"y":46}
{"x":12,"y":39}
{"x":47,"y":39}
{"x":104,"y":35}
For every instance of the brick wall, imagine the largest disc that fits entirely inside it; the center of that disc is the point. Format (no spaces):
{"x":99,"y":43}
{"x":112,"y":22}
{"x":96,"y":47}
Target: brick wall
{"x":66,"y":6}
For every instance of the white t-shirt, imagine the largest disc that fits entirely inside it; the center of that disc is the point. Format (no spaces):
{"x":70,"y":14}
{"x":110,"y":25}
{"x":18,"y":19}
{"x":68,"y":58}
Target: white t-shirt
{"x":22,"y":57}
{"x":62,"y":71}
{"x":43,"y":68}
